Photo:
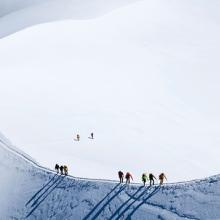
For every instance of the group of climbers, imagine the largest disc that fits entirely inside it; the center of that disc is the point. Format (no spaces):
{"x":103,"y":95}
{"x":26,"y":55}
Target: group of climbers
{"x":128,"y":177}
{"x":145,"y":178}
{"x":90,"y":137}
{"x":151,"y":177}
{"x":63,"y":169}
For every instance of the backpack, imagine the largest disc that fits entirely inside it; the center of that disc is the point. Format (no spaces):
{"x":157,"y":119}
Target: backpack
{"x":144,"y":177}
{"x":151,"y":176}
{"x":128,"y":175}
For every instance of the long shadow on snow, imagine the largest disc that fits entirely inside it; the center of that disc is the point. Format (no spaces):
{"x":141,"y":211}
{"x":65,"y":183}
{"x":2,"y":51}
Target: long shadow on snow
{"x":117,"y":212}
{"x":46,"y":187}
{"x":110,"y":199}
{"x":45,"y":194}
{"x":93,"y":211}
{"x":156,"y":190}
{"x":131,"y":204}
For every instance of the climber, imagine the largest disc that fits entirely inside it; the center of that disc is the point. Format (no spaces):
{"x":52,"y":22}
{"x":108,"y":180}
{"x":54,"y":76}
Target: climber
{"x":144,"y":178}
{"x":61,"y":170}
{"x":65,"y":168}
{"x":121,"y":176}
{"x":161,"y":178}
{"x":92,"y":135}
{"x":128,"y":177}
{"x":57,"y":167}
{"x":151,"y":178}
{"x":78,"y":137}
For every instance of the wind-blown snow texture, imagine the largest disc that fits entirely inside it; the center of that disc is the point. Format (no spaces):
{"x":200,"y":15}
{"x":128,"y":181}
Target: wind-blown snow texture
{"x":32,"y":192}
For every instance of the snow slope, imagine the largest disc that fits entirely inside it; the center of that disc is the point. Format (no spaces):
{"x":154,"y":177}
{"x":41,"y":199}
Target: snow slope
{"x":19,"y":14}
{"x":32,"y":192}
{"x":144,"y":78}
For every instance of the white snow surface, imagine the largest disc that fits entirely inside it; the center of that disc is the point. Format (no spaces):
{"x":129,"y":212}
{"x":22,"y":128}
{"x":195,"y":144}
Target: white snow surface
{"x":32,"y":192}
{"x":143,"y":77}
{"x":19,"y":14}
